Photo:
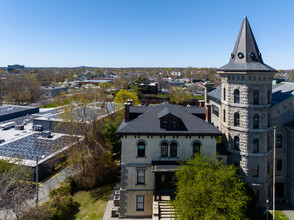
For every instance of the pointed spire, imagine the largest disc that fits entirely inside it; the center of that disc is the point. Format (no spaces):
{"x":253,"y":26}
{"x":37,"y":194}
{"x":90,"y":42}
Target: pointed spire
{"x":246,"y":49}
{"x":246,"y":55}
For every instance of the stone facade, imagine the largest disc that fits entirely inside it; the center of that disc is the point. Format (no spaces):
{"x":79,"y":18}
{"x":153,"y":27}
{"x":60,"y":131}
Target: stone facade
{"x":246,"y":156}
{"x":253,"y":164}
{"x":130,"y":163}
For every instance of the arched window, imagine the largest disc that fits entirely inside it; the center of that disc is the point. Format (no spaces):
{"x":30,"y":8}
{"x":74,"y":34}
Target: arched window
{"x":225,"y":94}
{"x":224,"y":117}
{"x":236,"y":96}
{"x":236,"y":119}
{"x":141,"y":149}
{"x":269,"y":120}
{"x":164,"y":149}
{"x":256,"y":121}
{"x":255,"y":97}
{"x":236,"y":143}
{"x":196,"y":148}
{"x":256,"y":145}
{"x":279,"y":141}
{"x":173,"y":149}
{"x":269,"y":94}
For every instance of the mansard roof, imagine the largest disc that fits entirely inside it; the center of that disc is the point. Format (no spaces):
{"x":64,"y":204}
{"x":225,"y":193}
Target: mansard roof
{"x":149,"y":123}
{"x":246,"y":55}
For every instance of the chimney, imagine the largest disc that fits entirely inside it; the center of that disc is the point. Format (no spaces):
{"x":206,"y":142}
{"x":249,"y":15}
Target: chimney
{"x":127,"y":111}
{"x":207,"y":88}
{"x":208,"y":113}
{"x":201,"y":103}
{"x":130,"y":101}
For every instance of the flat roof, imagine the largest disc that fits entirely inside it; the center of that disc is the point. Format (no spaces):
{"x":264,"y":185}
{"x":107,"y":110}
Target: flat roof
{"x":33,"y":145}
{"x":8,"y":109}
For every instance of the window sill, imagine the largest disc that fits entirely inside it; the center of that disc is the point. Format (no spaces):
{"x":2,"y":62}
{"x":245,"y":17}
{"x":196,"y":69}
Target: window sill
{"x":169,"y":157}
{"x":141,"y":157}
{"x":140,"y":184}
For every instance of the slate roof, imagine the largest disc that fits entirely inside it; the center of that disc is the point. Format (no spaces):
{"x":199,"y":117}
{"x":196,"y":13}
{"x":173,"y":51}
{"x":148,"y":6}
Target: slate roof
{"x":194,"y":110}
{"x":139,"y":109}
{"x":281,"y":92}
{"x":250,"y":58}
{"x":149,"y":123}
{"x":216,"y":93}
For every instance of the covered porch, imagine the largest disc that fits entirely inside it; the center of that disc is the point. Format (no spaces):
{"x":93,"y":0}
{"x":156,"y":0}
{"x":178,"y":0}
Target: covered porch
{"x":164,"y":179}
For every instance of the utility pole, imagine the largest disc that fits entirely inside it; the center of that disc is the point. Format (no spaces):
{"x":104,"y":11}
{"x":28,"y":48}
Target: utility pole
{"x":274,"y":175}
{"x":37,"y":178}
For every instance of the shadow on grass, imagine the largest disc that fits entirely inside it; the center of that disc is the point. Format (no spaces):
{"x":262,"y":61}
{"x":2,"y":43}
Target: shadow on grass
{"x":102,"y":192}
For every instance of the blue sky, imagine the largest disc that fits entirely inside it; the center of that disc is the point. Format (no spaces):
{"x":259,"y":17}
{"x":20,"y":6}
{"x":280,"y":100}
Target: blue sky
{"x":141,"y":33}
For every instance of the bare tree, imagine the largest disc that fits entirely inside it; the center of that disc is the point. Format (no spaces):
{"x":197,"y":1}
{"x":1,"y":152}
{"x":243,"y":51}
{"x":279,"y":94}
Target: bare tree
{"x":15,"y":189}
{"x":83,"y":118}
{"x":20,"y":89}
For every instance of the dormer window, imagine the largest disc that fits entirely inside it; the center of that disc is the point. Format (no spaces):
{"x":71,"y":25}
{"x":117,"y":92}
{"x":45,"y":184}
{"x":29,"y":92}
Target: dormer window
{"x":164,"y":124}
{"x":169,"y":120}
{"x":173,"y":124}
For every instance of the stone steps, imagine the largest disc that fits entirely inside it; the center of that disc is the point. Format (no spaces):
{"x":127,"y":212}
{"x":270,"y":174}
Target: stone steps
{"x":166,"y":212}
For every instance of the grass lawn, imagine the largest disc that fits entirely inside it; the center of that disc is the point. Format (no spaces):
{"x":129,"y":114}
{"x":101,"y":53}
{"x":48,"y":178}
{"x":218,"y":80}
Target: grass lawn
{"x":93,"y":202}
{"x":280,"y":215}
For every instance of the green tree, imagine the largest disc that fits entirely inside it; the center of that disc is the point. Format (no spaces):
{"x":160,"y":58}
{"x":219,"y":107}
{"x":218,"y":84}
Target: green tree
{"x":207,"y":189}
{"x":123,"y":95}
{"x":178,"y":96}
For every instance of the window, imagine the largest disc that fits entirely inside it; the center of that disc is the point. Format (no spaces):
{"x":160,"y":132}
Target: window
{"x":224,"y":94}
{"x":256,"y":121}
{"x":279,"y":141}
{"x":256,"y":194}
{"x":268,"y":168}
{"x":224,"y":115}
{"x":141,"y":149}
{"x":173,"y":124}
{"x":269,"y":120}
{"x":196,"y":148}
{"x":173,"y":149}
{"x":236,"y":119}
{"x":269,"y":147}
{"x":255,"y":171}
{"x":256,"y":145}
{"x":279,"y":164}
{"x":255,"y":97}
{"x":140,"y":203}
{"x":236,"y":143}
{"x":162,"y":178}
{"x":215,"y":110}
{"x":269,"y":94}
{"x":269,"y":192}
{"x":236,"y":96}
{"x":164,"y":149}
{"x":140,"y":176}
{"x":164,"y":123}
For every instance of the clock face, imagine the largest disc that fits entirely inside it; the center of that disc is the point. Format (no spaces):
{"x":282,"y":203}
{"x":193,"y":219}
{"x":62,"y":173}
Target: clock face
{"x":240,"y":55}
